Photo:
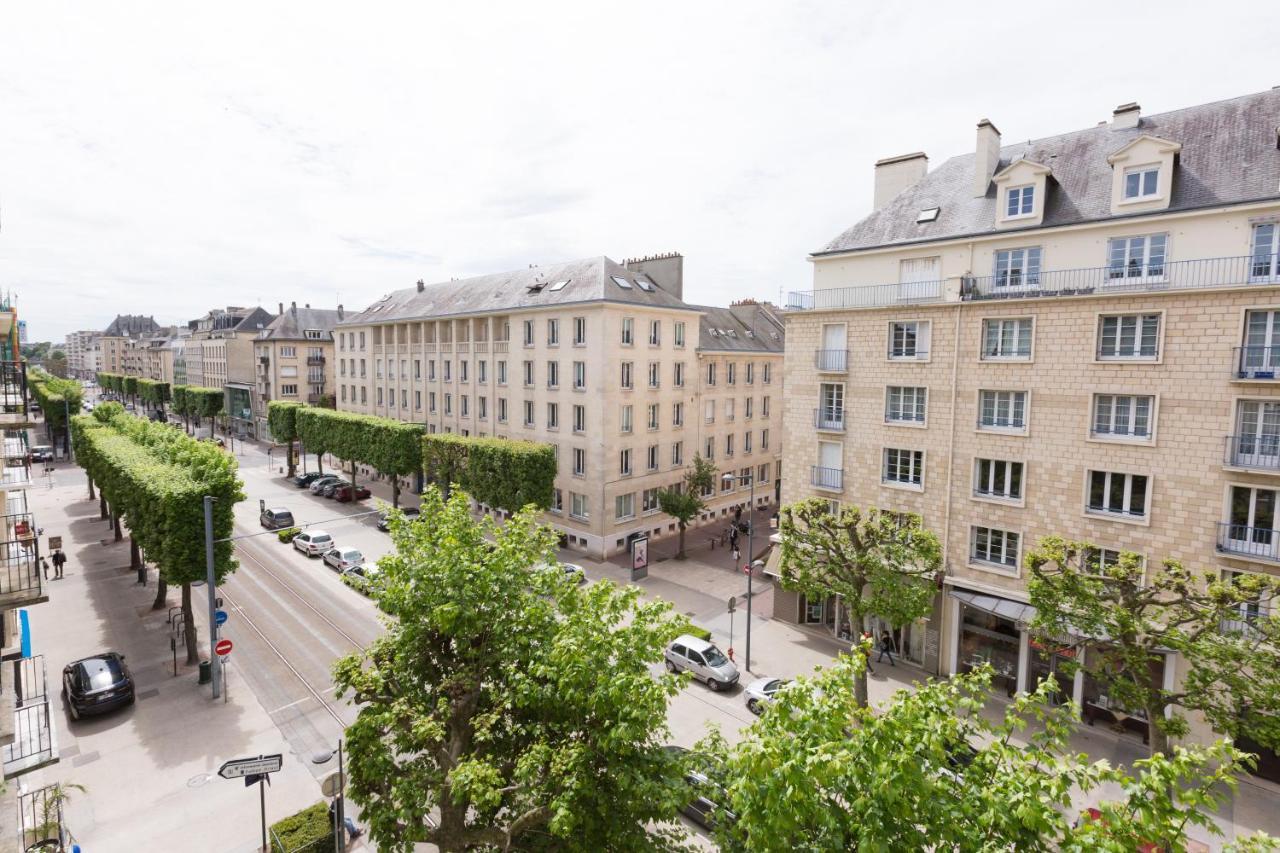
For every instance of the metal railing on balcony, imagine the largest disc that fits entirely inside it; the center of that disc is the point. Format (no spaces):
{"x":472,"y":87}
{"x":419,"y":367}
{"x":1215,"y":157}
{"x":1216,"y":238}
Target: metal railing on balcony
{"x":866,"y":296}
{"x":20,"y":577}
{"x":40,"y":823}
{"x":33,"y":744}
{"x":13,"y":387}
{"x":831,"y":360}
{"x":826,"y":478}
{"x":1257,"y":362}
{"x":315,"y":360}
{"x":829,"y":420}
{"x":1260,"y":452}
{"x":1262,"y":543}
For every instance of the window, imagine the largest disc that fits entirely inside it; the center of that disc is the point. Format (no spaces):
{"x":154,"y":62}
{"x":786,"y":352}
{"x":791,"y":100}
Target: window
{"x":502,"y":372}
{"x":679,"y":333}
{"x":344,"y":393}
{"x":677,"y":414}
{"x":363,"y":396}
{"x":763,"y":473}
{"x":764,"y":439}
{"x":579,"y":418}
{"x":655,"y":332}
{"x":624,"y":506}
{"x":1002,"y":410}
{"x":528,"y":333}
{"x":448,"y":370}
{"x":746,"y":442}
{"x":362,"y":373}
{"x":377,"y":365}
{"x":655,"y":374}
{"x":553,"y":374}
{"x":653,"y":416}
{"x":1266,"y":251}
{"x":710,"y":412}
{"x":1141,"y":182}
{"x":528,"y":410}
{"x":625,"y":420}
{"x":649,"y":501}
{"x":627,"y":379}
{"x":998,"y":479}
{"x":431,"y":402}
{"x":677,"y":453}
{"x":553,"y":332}
{"x":651,"y":458}
{"x":1095,"y":560}
{"x":482,"y":407}
{"x":728,"y":409}
{"x":726,"y":484}
{"x":711,"y":373}
{"x":992,"y":547}
{"x":1019,"y":201}
{"x":679,"y":374}
{"x":1137,"y":257}
{"x":448,"y":404}
{"x":909,"y":340}
{"x":431,"y":369}
{"x":1129,"y":336}
{"x":579,"y":331}
{"x":502,"y":410}
{"x":730,"y":373}
{"x":904,"y":404}
{"x":1248,"y":613}
{"x":482,"y":371}
{"x":624,"y":462}
{"x":751,"y":373}
{"x":1018,"y":268}
{"x":764,"y":407}
{"x":1008,"y":339}
{"x":528,"y":374}
{"x":1112,"y":493}
{"x":553,"y":416}
{"x":417,"y":368}
{"x":728,"y":445}
{"x":748,"y":407}
{"x":628,"y":331}
{"x":465,"y":403}
{"x":288,"y":352}
{"x":904,"y":467}
{"x":557,"y":501}
{"x":578,"y":506}
{"x":580,"y":375}
{"x":768,"y":373}
{"x":830,"y":406}
{"x":462,"y":370}
{"x":1122,"y":415}
{"x":292,"y":391}
{"x":579,"y":462}
{"x":710,"y":450}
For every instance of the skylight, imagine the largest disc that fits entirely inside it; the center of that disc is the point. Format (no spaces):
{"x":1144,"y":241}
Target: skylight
{"x":644,"y":284}
{"x":559,"y":285}
{"x":621,"y":282}
{"x":929,"y":214}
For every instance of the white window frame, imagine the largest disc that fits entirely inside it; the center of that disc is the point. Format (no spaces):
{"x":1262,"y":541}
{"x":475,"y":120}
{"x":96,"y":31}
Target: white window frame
{"x":1011,"y":404}
{"x":999,"y":469}
{"x":579,"y":506}
{"x":1136,"y":256}
{"x":1122,"y":404}
{"x":624,"y":506}
{"x":1017,"y":268}
{"x":1124,"y":514}
{"x":919,"y":348}
{"x":1001,"y":327}
{"x":1118,"y":353}
{"x":628,"y":331}
{"x":1141,"y":173}
{"x":1264,"y":252}
{"x":1025,"y":205}
{"x":899,"y":460}
{"x":994,"y":557}
{"x":918,"y":402}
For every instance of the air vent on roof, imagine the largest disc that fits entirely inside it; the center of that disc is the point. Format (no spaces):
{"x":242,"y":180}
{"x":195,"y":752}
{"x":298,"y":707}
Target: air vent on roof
{"x":750,"y":334}
{"x":929,"y":214}
{"x":731,"y":333}
{"x":622,"y":282}
{"x":559,"y":285}
{"x":535,"y":288}
{"x":644,"y":284}
{"x":715,"y":333}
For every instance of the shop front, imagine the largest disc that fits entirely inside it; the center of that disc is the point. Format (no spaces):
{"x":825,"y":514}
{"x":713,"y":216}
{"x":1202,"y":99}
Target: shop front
{"x":240,"y":410}
{"x":990,"y":631}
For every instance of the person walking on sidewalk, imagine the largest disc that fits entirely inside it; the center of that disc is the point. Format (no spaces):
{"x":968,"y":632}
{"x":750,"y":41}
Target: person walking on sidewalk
{"x":886,"y":647}
{"x":353,"y":831}
{"x":59,"y":560}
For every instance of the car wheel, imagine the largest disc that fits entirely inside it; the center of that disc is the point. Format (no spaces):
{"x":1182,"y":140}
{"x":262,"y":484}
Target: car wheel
{"x":753,"y":706}
{"x":714,"y":685}
{"x":671,"y":667}
{"x":72,"y":712}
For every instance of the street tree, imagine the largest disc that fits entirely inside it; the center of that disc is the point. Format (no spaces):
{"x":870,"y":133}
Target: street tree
{"x":131,"y":389}
{"x":1127,"y":619}
{"x":685,"y":503}
{"x":282,"y":421}
{"x":155,"y":393}
{"x":58,"y":398}
{"x":880,"y":563}
{"x":205,"y":403}
{"x":929,"y":771}
{"x":506,"y":707}
{"x":504,"y":473}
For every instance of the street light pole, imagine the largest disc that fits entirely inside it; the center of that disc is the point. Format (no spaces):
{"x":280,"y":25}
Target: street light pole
{"x":66,"y":414}
{"x":215,"y":667}
{"x":751,"y":553}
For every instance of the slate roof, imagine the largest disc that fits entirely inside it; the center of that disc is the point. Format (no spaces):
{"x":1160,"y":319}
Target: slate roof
{"x":130,"y":326}
{"x":589,"y":280}
{"x":290,"y":325}
{"x":1229,"y":156}
{"x":745,"y":327}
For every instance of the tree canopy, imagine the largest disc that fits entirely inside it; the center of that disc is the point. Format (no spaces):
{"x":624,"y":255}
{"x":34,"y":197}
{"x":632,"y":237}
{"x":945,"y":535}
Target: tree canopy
{"x":282,"y":422}
{"x":153,"y":392}
{"x":57,"y":397}
{"x":684,"y":504}
{"x":498,"y":472}
{"x":389,"y":446}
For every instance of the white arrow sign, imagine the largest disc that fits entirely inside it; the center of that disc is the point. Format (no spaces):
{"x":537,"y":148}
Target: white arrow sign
{"x":241,"y":767}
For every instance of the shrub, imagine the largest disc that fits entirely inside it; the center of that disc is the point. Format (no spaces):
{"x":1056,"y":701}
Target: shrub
{"x":699,"y":632}
{"x":286,"y":535}
{"x":308,"y":829}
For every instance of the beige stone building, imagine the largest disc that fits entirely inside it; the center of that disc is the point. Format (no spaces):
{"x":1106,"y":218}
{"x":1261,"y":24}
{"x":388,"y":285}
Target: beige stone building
{"x":1073,"y":336}
{"x":294,"y":358}
{"x":115,"y":341}
{"x":80,"y":349}
{"x":220,"y":354}
{"x":604,"y":361}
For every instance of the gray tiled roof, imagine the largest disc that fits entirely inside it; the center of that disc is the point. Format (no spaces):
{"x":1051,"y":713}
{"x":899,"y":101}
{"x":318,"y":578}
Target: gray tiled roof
{"x":130,"y":326}
{"x":1229,"y":155}
{"x":290,"y":325}
{"x":745,"y":327}
{"x":590,"y":280}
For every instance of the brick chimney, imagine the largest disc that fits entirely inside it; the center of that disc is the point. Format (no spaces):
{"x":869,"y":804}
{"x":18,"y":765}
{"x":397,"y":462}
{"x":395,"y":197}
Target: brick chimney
{"x":666,"y":271}
{"x":986,"y":157}
{"x":895,"y":174}
{"x":421,"y":286}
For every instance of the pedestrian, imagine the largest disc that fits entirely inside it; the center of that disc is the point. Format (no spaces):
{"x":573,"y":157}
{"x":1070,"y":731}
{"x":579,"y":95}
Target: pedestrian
{"x":737,"y":515}
{"x":737,"y":555}
{"x":59,"y":560}
{"x":44,"y":564}
{"x":353,"y":831}
{"x":733,"y":537}
{"x":864,"y":646}
{"x":886,"y":647}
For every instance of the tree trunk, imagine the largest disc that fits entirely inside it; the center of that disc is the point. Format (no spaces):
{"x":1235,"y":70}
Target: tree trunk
{"x":319,"y":464}
{"x":162,"y":592}
{"x":860,"y":684}
{"x":395,"y":492}
{"x":135,"y":555}
{"x":353,"y":477}
{"x":293,"y":468}
{"x":91,"y":494}
{"x":115,"y":523}
{"x":102,"y":504}
{"x":680,"y":550}
{"x":189,"y":626}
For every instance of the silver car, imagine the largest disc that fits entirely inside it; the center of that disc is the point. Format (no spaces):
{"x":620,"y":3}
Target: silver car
{"x":343,"y":559}
{"x":703,"y":659}
{"x":759,"y":693}
{"x":313,"y":543}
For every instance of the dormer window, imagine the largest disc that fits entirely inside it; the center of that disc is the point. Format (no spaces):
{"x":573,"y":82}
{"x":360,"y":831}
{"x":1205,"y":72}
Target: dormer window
{"x":1141,"y":182}
{"x":1020,"y":201}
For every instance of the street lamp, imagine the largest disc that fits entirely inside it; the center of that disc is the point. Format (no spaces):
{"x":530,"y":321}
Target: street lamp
{"x":339,"y":813}
{"x":751,"y":551}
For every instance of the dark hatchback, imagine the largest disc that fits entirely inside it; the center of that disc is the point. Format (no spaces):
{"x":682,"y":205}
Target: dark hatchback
{"x":304,"y":480}
{"x":384,"y":520}
{"x":96,"y":685}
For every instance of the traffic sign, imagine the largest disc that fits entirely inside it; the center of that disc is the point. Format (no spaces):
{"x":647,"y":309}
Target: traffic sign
{"x":220,"y":616}
{"x":223,"y":648}
{"x":241,"y":767}
{"x":332,"y":784}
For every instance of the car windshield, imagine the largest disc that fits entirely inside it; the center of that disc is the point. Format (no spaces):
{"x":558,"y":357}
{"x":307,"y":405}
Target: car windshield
{"x":351,"y":555}
{"x":323,"y":538}
{"x":715,"y":657}
{"x":100,"y":673}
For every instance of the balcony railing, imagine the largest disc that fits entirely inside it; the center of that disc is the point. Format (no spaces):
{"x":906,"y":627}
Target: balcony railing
{"x":315,"y":360}
{"x":1262,"y":543}
{"x":866,"y":296}
{"x":34,"y":744}
{"x":13,"y":387}
{"x":831,"y":360}
{"x":826,"y":478}
{"x":829,"y":420}
{"x":1261,"y":452}
{"x":1256,"y":362}
{"x":40,"y":825}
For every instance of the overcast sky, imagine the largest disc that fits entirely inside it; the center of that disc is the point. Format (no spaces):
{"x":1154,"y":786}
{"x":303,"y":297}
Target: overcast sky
{"x":168,"y":158}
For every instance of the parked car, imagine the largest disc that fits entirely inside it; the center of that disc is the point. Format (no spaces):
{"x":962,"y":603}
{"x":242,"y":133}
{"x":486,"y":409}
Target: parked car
{"x":384,"y":520}
{"x":332,"y":486}
{"x":302,"y":481}
{"x":703,"y":659}
{"x":275,"y":518}
{"x":97,"y":684}
{"x":343,"y":559}
{"x":313,"y":543}
{"x":42,"y":453}
{"x":759,"y":693}
{"x":317,"y":485}
{"x":366,"y":577}
{"x":708,"y":795}
{"x":572,"y":571}
{"x":347,"y":492}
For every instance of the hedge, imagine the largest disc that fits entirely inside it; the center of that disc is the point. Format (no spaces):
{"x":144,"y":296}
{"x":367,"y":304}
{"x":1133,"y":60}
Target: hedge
{"x":391,"y":447}
{"x":308,"y":830}
{"x":504,"y":473}
{"x":699,"y":632}
{"x":155,"y":393}
{"x":57,"y":397}
{"x":286,"y":535}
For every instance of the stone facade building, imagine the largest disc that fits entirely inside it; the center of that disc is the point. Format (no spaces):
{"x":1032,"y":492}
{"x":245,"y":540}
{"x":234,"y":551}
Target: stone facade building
{"x":293,"y":359}
{"x":115,"y":340}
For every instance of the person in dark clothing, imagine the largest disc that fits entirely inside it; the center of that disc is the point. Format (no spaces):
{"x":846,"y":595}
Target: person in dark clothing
{"x":733,"y":538}
{"x":737,"y":515}
{"x":353,"y":831}
{"x":886,"y":647}
{"x":59,"y":560}
{"x":44,"y":564}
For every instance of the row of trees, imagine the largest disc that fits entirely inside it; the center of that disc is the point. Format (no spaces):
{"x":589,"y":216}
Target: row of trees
{"x":154,"y":478}
{"x":194,"y":403}
{"x":507,"y":708}
{"x":498,"y":472}
{"x":58,"y":398}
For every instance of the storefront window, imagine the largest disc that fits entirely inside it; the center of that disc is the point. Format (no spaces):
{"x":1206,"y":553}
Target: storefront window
{"x":1053,"y":664}
{"x":908,"y":640}
{"x":1100,"y":707}
{"x":990,"y":639}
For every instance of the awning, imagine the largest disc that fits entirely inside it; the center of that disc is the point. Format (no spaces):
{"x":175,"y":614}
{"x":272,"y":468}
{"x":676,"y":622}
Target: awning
{"x":773,"y":566}
{"x":1018,"y":611}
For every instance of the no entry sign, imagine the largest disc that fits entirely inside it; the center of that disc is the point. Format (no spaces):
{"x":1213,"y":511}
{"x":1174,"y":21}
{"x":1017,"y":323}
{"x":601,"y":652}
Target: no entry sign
{"x":223,"y":648}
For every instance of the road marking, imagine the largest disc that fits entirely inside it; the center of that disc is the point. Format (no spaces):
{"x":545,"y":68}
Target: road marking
{"x":291,"y":704}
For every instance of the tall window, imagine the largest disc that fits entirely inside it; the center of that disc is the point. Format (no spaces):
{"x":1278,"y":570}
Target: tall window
{"x":655,"y":332}
{"x":502,"y":410}
{"x":579,"y":418}
{"x":677,"y":453}
{"x":553,"y":416}
{"x":625,"y":421}
{"x":909,"y":339}
{"x":905,"y":404}
{"x":711,"y":373}
{"x":482,"y":371}
{"x":1137,"y":257}
{"x":649,"y":500}
{"x":624,"y":506}
{"x":528,"y":411}
{"x":1018,"y":267}
{"x":710,"y":414}
{"x":1119,"y":494}
{"x":528,"y":374}
{"x":767,"y":373}
{"x":1122,"y":415}
{"x":997,"y":478}
{"x":1019,"y":201}
{"x":830,"y":406}
{"x":746,"y":442}
{"x":627,"y":380}
{"x":1002,"y":410}
{"x":655,"y":374}
{"x":1006,"y":338}
{"x":651,"y":458}
{"x":580,"y":375}
{"x":579,"y":462}
{"x":728,"y":445}
{"x":677,"y":414}
{"x":731,"y":373}
{"x":1129,"y":336}
{"x":462,"y":370}
{"x":1141,"y":182}
{"x":553,"y":374}
{"x":553,"y":332}
{"x":448,"y":404}
{"x":679,"y":333}
{"x":528,"y":333}
{"x":628,"y":331}
{"x":993,"y":547}
{"x":679,"y":374}
{"x":579,"y":331}
{"x":578,"y":506}
{"x":1266,"y":251}
{"x":624,"y":462}
{"x":653,"y":416}
{"x":751,"y":373}
{"x":904,"y":467}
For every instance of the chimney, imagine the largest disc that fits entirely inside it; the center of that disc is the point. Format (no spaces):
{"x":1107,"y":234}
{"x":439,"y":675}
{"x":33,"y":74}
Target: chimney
{"x":281,"y":311}
{"x":666,"y":271}
{"x":986,"y":157}
{"x":895,"y":174}
{"x":421,"y":286}
{"x":293,"y":306}
{"x":339,"y":312}
{"x":1126,"y":116}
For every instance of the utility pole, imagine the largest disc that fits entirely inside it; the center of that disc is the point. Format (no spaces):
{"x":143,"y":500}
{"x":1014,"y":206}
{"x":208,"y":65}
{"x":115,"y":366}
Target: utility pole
{"x":215,"y":665}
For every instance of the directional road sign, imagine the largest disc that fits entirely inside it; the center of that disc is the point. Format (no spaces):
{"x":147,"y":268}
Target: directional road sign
{"x":220,"y":616}
{"x":223,"y":648}
{"x":240,"y":767}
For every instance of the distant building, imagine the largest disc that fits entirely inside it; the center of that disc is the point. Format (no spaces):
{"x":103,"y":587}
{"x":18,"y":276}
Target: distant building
{"x":294,"y":358}
{"x":116,"y":337}
{"x":219,"y":354}
{"x":79,"y":347}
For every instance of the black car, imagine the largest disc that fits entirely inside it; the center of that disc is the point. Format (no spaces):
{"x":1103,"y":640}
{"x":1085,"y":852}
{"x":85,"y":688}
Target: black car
{"x":384,"y":520}
{"x":709,"y":796}
{"x":96,"y":685}
{"x":330,"y":488}
{"x":304,"y":480}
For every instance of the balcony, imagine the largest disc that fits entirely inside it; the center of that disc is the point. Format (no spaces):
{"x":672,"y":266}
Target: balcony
{"x":828,"y":420}
{"x":315,"y":360}
{"x":867,"y":296}
{"x":827,"y":478}
{"x":1256,"y":543}
{"x":34,"y":743}
{"x":40,"y":821}
{"x":1256,"y":364}
{"x":264,"y":360}
{"x":15,"y":477}
{"x":831,"y":360}
{"x":1255,"y":452}
{"x":501,"y":344}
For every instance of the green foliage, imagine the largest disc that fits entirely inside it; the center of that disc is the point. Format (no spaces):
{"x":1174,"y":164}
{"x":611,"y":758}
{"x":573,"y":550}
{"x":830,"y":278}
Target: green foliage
{"x":311,"y":826}
{"x":282,"y":419}
{"x":497,"y":472}
{"x":286,"y":535}
{"x":699,"y":632}
{"x":1127,"y":617}
{"x":205,"y":402}
{"x":931,"y":771}
{"x":57,"y":397}
{"x":180,"y":401}
{"x":685,"y":503}
{"x":111,"y":382}
{"x":131,"y":386}
{"x":155,"y":393}
{"x":514,"y":707}
{"x":390,"y":446}
{"x":104,"y":412}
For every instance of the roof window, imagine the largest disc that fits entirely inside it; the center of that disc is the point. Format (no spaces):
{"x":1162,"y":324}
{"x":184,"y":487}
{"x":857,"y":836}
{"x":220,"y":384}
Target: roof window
{"x":559,"y":285}
{"x":929,"y":214}
{"x":644,"y":284}
{"x":622,"y":282}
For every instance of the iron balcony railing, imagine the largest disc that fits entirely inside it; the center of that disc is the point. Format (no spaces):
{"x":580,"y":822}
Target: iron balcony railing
{"x":829,"y":420}
{"x":866,"y":296}
{"x":40,"y":823}
{"x":315,"y":360}
{"x":832,"y":360}
{"x":1261,"y":452}
{"x":33,"y":743}
{"x":1257,"y":362}
{"x":826,"y":478}
{"x":20,"y":577}
{"x":13,"y":387}
{"x":1262,"y":543}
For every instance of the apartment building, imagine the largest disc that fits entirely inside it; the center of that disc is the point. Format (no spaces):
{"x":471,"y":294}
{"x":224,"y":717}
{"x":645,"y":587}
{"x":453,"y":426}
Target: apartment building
{"x":604,"y":361}
{"x":220,"y":354}
{"x":114,"y":341}
{"x":294,"y":358}
{"x":80,"y":348}
{"x":1073,"y":336}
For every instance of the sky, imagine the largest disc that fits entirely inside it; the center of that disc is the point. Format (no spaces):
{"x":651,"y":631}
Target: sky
{"x":168,"y":158}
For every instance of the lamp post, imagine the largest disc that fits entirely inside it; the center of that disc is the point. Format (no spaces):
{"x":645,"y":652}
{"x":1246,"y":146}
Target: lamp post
{"x":751,"y":552}
{"x":339,"y":813}
{"x":66,"y":427}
